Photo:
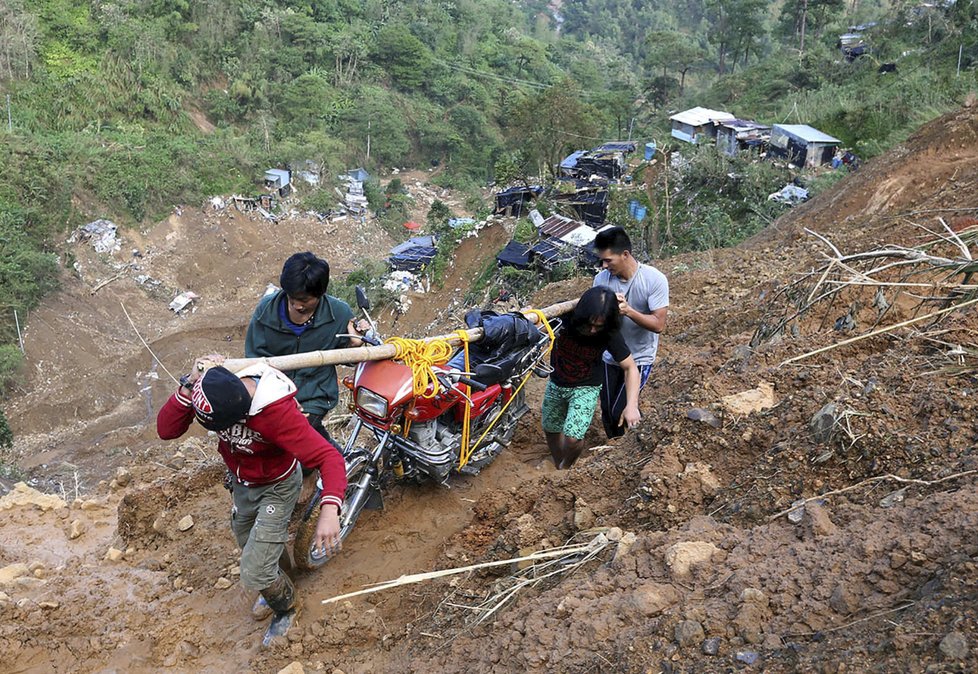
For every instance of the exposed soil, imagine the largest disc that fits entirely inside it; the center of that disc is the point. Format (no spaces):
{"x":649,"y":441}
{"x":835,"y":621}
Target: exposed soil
{"x":702,"y":574}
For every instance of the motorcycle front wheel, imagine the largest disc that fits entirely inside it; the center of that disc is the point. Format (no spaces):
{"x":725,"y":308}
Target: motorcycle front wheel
{"x":308,"y":557}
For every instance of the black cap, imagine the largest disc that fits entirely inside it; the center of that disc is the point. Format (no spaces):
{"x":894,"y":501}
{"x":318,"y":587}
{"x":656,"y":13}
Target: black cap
{"x":220,"y":399}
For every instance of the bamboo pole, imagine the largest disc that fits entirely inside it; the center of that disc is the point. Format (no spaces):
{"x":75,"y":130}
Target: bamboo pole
{"x":360,"y":354}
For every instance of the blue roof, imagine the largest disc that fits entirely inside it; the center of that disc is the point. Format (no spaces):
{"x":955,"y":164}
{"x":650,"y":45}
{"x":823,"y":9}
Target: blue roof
{"x":806,"y":133}
{"x":616,"y":146}
{"x":570,"y":161}
{"x":358,"y":174}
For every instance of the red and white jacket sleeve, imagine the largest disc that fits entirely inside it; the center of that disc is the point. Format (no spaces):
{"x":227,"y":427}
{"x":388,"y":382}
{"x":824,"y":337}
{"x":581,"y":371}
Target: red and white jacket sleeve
{"x":175,"y":416}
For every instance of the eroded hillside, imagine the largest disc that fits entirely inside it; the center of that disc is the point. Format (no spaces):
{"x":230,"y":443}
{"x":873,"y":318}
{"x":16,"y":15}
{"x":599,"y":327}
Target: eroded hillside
{"x":701,"y":569}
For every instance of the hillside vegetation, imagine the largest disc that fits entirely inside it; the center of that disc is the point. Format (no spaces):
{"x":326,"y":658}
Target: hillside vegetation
{"x":124,"y":109}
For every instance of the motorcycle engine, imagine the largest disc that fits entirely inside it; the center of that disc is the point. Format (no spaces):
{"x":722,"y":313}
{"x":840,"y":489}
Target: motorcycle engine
{"x":434,"y":447}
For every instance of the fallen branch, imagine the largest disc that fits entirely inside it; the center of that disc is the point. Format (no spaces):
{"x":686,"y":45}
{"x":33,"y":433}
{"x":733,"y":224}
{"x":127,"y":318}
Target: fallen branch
{"x":879,"y":332}
{"x":872,"y":480}
{"x":599,"y":541}
{"x":855,"y":622}
{"x":108,"y":281}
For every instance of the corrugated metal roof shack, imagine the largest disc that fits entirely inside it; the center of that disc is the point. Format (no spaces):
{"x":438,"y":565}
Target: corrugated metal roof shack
{"x":734,"y":135}
{"x":801,"y":144}
{"x":695,"y":124}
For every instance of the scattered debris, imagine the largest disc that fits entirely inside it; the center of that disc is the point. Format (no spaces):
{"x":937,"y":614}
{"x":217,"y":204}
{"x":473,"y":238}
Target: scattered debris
{"x":102,"y":234}
{"x":182,"y":301}
{"x":790,"y":194}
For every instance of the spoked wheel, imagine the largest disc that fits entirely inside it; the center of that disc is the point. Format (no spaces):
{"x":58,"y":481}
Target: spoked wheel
{"x":306,"y":556}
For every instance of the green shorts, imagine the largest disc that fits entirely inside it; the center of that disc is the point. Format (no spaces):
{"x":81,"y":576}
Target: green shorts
{"x":569,"y":409}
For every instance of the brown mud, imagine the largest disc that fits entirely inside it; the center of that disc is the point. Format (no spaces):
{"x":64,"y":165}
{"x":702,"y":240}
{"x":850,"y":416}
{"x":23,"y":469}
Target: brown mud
{"x":703,"y":574}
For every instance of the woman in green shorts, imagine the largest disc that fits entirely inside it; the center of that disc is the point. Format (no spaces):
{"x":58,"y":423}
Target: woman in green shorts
{"x":574,"y":386}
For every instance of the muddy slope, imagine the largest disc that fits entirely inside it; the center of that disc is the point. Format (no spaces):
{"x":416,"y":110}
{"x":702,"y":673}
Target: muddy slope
{"x":701,"y":570}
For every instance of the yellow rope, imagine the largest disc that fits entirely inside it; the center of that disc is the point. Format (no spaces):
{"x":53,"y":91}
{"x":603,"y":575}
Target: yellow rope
{"x":464,"y":451}
{"x":550,"y":333}
{"x":420,"y":356}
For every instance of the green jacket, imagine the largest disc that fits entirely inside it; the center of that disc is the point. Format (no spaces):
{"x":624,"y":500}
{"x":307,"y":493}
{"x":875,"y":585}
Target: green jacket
{"x":268,"y":336}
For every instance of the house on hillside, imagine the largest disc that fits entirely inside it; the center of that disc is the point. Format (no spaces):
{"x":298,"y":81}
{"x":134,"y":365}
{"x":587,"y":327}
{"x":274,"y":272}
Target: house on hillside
{"x":358,"y":174}
{"x":589,"y":204}
{"x":802,"y":145}
{"x":734,"y":135}
{"x":604,"y":163}
{"x":518,"y":200}
{"x":279,"y":180}
{"x":852,"y":46}
{"x":695,"y":124}
{"x":414,"y":255}
{"x":568,"y":166}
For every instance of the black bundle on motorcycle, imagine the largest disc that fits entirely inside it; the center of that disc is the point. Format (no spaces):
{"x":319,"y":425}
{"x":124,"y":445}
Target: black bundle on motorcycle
{"x":505,"y":339}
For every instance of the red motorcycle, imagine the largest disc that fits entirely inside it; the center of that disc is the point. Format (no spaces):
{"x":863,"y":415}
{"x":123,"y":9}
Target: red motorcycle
{"x":420,"y":438}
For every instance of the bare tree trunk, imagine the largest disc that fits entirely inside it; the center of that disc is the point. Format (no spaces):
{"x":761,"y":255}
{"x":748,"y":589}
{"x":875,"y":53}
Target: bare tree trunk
{"x":804,"y":19}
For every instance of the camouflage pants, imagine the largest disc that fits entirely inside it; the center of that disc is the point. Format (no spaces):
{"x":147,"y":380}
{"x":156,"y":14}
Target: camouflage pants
{"x":260,"y":522}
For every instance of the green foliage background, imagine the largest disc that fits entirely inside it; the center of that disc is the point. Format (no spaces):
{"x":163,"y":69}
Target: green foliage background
{"x":122,"y":108}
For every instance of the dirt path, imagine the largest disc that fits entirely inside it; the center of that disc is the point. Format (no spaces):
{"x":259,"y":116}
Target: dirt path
{"x":875,"y":576}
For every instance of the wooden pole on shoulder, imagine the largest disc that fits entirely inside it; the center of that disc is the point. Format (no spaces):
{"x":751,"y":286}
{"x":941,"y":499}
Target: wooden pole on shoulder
{"x":360,"y":354}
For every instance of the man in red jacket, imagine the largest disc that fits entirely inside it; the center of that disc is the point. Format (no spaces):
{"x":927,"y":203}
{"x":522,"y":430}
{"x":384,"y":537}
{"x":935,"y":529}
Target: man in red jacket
{"x":262,"y":437}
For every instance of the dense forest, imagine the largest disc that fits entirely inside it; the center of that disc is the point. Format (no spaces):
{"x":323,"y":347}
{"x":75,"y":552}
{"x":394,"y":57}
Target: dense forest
{"x":122,"y":109}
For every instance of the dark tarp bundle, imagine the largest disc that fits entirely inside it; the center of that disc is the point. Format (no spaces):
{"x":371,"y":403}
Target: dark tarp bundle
{"x":414,"y":254}
{"x":504,"y":339}
{"x":514,"y":200}
{"x":515,"y":254}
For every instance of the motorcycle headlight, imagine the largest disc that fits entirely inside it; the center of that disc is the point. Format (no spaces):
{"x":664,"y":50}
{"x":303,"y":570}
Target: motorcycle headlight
{"x":371,"y":403}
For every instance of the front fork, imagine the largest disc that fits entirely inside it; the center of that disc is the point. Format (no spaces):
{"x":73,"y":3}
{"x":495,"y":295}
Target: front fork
{"x":358,"y":483}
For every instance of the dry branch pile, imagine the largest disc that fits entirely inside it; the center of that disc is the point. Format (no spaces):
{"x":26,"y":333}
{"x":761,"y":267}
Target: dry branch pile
{"x":878,"y":291}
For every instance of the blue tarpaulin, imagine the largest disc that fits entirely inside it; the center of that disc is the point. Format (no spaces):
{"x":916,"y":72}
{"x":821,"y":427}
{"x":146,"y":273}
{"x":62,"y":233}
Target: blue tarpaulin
{"x":414,"y":254}
{"x":515,"y":254}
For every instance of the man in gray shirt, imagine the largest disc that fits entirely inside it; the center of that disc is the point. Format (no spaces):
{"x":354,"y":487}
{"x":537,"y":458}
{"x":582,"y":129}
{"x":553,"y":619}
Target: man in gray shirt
{"x":643,"y":296}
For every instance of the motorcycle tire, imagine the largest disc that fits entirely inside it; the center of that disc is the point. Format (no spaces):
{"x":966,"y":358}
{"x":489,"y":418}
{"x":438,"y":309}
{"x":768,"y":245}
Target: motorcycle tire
{"x":306,"y":557}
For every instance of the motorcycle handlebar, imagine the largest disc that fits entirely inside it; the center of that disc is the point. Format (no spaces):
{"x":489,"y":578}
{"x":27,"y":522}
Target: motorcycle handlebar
{"x":472,"y":383}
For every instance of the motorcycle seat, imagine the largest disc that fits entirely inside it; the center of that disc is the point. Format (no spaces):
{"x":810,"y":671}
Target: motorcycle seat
{"x":495,"y":372}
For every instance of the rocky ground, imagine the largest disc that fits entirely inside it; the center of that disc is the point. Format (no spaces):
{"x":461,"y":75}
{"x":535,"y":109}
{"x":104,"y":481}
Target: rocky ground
{"x":695,"y":566}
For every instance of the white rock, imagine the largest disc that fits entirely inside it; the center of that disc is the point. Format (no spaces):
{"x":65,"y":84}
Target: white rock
{"x":185,"y":523}
{"x":294,"y":668}
{"x":682,"y":557}
{"x":12,"y":571}
{"x":76,"y":529}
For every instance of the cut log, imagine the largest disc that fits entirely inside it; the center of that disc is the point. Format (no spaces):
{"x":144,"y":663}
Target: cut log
{"x":360,"y":354}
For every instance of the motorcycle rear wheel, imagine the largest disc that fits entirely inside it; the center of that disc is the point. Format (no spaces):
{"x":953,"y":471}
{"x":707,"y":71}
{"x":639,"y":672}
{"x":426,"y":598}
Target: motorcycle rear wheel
{"x":307,"y":557}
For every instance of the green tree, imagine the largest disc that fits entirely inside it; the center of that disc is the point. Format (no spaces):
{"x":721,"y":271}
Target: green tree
{"x":549,"y":123}
{"x":402,"y":55}
{"x":671,"y":50}
{"x":801,"y":18}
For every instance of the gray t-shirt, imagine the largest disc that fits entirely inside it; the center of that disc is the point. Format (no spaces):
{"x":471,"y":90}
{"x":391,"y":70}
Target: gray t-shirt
{"x":646,"y":291}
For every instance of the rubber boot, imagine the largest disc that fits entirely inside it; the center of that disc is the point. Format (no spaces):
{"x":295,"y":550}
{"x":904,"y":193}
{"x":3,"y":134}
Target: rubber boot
{"x":261,"y":610}
{"x":280,"y":597}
